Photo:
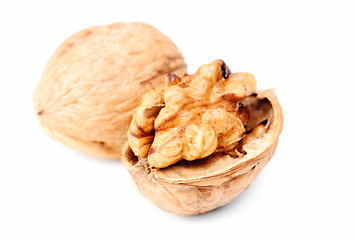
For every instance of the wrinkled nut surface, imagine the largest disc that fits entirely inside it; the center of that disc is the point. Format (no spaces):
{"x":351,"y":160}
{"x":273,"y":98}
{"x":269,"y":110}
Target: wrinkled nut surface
{"x":189,"y":187}
{"x":193,"y":117}
{"x":96,"y":78}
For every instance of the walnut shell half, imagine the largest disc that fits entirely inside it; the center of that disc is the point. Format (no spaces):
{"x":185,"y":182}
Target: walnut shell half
{"x":96,"y":78}
{"x":189,"y":188}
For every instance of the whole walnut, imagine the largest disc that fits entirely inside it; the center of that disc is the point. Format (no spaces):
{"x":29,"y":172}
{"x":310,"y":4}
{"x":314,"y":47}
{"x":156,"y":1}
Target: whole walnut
{"x":96,"y":78}
{"x":198,"y":142}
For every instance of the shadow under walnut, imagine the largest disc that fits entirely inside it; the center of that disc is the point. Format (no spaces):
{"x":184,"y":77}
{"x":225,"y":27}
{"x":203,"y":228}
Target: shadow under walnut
{"x":190,"y":188}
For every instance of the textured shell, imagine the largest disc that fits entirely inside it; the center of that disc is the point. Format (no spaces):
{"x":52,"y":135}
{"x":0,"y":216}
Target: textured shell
{"x":195,"y":188}
{"x":96,"y":78}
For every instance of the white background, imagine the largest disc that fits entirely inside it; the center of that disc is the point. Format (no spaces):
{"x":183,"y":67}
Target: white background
{"x":306,"y":50}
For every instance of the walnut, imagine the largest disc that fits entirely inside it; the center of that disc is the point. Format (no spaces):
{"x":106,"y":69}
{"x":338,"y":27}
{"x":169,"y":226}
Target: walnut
{"x":94,"y":81}
{"x":198,"y":117}
{"x":213,"y":117}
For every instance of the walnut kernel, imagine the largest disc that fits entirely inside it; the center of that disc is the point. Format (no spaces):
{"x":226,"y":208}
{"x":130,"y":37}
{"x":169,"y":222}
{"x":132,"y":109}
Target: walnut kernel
{"x":198,"y":116}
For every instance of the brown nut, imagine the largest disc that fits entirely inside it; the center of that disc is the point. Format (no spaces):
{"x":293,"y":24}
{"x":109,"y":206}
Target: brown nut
{"x":195,"y":120}
{"x":195,"y":187}
{"x":96,"y":78}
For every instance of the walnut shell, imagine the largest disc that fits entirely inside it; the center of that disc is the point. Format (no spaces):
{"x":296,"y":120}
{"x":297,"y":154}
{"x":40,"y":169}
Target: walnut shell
{"x":189,"y":188}
{"x":96,"y":78}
